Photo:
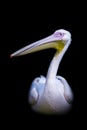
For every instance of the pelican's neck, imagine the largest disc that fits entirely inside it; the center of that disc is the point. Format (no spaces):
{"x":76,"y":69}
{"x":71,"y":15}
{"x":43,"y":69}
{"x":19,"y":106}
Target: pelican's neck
{"x":54,"y":65}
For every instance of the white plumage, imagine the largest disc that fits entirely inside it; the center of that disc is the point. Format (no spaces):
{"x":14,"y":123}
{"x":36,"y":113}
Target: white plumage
{"x":50,"y":95}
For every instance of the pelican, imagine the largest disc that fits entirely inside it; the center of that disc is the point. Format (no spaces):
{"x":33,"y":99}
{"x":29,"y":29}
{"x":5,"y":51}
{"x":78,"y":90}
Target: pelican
{"x":50,"y":95}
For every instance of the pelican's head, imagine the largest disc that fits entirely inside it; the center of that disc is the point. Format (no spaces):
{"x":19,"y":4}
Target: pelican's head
{"x":57,"y":40}
{"x":62,"y":35}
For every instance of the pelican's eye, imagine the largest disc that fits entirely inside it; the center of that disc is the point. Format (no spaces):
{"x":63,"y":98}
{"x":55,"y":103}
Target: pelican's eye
{"x":58,"y":34}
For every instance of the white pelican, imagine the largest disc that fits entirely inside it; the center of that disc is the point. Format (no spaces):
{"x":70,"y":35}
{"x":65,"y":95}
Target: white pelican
{"x":50,"y":95}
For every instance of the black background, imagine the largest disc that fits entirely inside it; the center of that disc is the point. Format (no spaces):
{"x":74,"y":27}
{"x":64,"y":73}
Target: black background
{"x":22,"y":25}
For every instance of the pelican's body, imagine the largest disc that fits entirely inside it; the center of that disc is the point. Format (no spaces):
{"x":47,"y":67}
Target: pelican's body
{"x":54,"y":100}
{"x":52,"y":94}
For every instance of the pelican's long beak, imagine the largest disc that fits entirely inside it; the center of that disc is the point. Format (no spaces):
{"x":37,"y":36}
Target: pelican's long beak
{"x":48,"y":42}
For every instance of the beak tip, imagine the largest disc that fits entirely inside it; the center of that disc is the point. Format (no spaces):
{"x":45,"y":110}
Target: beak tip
{"x":11,"y":56}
